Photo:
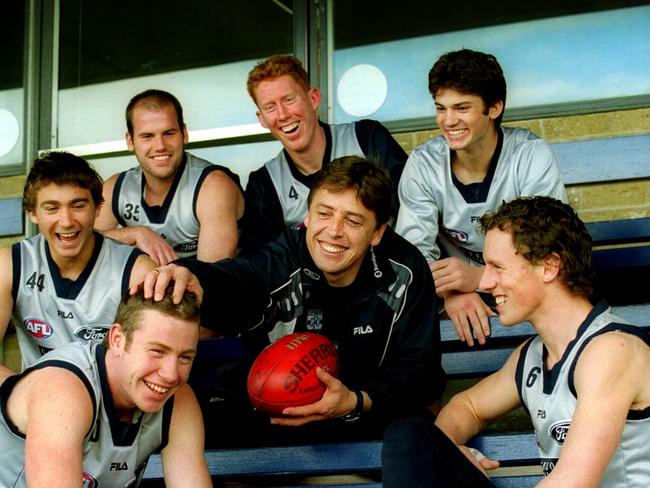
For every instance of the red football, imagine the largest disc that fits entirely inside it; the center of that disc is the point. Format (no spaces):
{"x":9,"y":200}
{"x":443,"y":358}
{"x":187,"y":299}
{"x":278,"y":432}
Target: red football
{"x":284,"y":374}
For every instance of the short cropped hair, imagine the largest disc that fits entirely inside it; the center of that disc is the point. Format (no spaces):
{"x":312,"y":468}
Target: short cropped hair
{"x":274,"y":67}
{"x":541,"y":226}
{"x":61,"y":168}
{"x":129,"y":311}
{"x":371,"y":182}
{"x":470,"y":72}
{"x":153,"y":100}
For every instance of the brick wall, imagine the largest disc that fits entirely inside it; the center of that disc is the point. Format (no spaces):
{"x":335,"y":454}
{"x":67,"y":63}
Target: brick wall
{"x":593,"y":202}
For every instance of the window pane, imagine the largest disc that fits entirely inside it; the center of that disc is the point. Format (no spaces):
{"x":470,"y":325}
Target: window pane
{"x":12,"y":22}
{"x":200,"y":51}
{"x":572,"y":58}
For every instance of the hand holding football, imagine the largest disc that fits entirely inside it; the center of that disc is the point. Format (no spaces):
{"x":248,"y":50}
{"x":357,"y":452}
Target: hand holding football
{"x":284,"y":373}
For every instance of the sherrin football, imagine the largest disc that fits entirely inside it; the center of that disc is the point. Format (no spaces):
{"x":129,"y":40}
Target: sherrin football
{"x":284,"y":373}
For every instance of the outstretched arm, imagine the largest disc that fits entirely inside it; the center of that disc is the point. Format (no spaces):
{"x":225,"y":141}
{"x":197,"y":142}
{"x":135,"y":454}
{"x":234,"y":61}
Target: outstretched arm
{"x":183,"y":459}
{"x":468,"y":412}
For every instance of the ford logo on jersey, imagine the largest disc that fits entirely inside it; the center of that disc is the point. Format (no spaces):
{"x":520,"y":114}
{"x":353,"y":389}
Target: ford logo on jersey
{"x":190,"y":246}
{"x":559,"y":431}
{"x":38,"y":328}
{"x":456,"y":235}
{"x":91,"y":333}
{"x":89,"y":481}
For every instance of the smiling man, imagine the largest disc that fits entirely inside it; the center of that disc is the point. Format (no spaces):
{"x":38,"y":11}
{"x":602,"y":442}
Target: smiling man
{"x":92,"y":414}
{"x":453,"y":179}
{"x":344,"y":274}
{"x":65,"y":283}
{"x":584,"y":379}
{"x":173,"y":204}
{"x":276,"y":194}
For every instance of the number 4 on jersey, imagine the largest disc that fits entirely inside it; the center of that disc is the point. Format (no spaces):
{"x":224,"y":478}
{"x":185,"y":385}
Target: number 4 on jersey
{"x":293,"y":193}
{"x":33,"y":281}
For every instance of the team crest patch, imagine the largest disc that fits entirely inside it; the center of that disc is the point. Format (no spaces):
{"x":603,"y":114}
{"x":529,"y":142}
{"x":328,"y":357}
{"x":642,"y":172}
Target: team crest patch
{"x":38,"y":328}
{"x":456,"y":235}
{"x":314,"y":321}
{"x":91,"y":333}
{"x":89,"y":481}
{"x":559,"y":431}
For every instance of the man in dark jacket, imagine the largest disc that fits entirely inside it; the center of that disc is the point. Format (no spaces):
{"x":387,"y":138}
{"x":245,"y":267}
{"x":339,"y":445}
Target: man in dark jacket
{"x":344,"y":274}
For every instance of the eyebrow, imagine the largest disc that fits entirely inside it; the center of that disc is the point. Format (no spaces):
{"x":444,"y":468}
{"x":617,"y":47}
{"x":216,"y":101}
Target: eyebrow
{"x":347,"y":214}
{"x":72,"y":202}
{"x":167,"y":348}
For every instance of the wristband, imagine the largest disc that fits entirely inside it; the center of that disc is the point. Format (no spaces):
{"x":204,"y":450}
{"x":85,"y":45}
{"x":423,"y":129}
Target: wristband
{"x":355,"y":414}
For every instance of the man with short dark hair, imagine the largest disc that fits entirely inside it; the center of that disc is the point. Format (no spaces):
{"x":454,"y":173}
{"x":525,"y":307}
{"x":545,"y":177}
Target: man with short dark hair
{"x":94,"y":413}
{"x":344,"y":274}
{"x":65,"y":283}
{"x":173,"y":204}
{"x":583,"y":379}
{"x":276,"y":194}
{"x":453,"y":179}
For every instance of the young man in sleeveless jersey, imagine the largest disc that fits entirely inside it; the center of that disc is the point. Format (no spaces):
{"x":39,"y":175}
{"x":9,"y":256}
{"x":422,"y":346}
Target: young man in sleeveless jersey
{"x":65,"y":283}
{"x":583,"y":380}
{"x":276,"y":193}
{"x":453,"y":179}
{"x":173,"y":204}
{"x":92,"y":414}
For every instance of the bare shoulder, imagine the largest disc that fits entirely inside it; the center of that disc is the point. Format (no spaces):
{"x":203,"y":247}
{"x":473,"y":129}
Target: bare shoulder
{"x":618,"y":361}
{"x":220,"y":191}
{"x":219,"y":180}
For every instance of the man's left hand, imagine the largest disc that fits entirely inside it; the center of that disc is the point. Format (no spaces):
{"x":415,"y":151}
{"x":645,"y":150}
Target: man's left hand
{"x":337,"y":401}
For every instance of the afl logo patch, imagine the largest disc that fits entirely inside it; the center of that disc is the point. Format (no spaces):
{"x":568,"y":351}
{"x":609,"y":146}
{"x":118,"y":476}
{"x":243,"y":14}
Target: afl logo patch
{"x":89,"y":481}
{"x":456,"y":235}
{"x":38,"y":328}
{"x":91,"y":333}
{"x":559,"y":431}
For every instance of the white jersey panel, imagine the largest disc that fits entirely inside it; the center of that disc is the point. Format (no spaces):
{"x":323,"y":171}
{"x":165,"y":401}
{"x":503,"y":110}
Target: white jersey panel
{"x":552,"y":405}
{"x":44,"y":320}
{"x":431,"y":205}
{"x":179,"y":225}
{"x":106,"y":463}
{"x":291,"y":192}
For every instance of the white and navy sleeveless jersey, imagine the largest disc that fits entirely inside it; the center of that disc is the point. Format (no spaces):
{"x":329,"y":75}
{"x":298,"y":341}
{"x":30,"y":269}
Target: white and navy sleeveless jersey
{"x":433,"y":206}
{"x":550,"y":398}
{"x":50,"y":311}
{"x":115,"y":453}
{"x":293,"y":193}
{"x":176,"y":220}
